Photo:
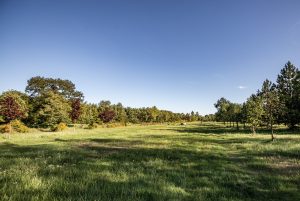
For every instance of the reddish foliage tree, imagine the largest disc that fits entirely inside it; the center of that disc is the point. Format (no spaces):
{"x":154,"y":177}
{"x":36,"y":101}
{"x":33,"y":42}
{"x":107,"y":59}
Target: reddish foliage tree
{"x":10,"y":109}
{"x":107,"y":115}
{"x":76,"y":110}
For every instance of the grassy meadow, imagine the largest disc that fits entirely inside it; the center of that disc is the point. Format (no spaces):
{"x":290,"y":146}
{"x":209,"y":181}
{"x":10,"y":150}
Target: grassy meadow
{"x":157,"y":162}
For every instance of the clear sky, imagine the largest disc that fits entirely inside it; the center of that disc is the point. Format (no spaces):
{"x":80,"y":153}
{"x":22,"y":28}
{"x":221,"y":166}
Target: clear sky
{"x":177,"y":55}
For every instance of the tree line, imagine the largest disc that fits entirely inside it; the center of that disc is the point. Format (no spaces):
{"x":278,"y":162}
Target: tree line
{"x":274,"y":103}
{"x":48,"y":103}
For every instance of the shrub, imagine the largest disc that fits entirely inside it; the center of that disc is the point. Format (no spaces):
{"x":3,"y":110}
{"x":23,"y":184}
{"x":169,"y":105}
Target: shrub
{"x":59,"y":127}
{"x":4,"y":128}
{"x":19,"y":127}
{"x":92,"y":125}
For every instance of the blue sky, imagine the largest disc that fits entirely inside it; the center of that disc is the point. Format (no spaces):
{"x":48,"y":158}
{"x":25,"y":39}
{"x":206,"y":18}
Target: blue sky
{"x":177,"y":55}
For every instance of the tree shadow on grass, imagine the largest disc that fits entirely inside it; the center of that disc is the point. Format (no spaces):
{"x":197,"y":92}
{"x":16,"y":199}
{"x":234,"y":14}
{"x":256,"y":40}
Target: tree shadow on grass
{"x":221,"y":130}
{"x":110,"y":169}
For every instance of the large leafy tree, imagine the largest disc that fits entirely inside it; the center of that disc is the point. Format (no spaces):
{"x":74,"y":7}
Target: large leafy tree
{"x":287,"y":89}
{"x":12,"y":106}
{"x":222,"y":107}
{"x":39,"y":85}
{"x":255,"y":111}
{"x":51,"y":109}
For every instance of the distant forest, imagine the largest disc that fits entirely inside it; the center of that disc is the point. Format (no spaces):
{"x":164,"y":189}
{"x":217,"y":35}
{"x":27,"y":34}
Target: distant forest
{"x":53,"y":103}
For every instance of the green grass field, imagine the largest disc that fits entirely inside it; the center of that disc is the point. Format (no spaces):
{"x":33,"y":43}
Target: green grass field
{"x":159,"y":162}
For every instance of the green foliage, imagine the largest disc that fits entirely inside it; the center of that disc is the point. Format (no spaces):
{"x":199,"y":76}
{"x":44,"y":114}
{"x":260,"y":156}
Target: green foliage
{"x":51,"y":109}
{"x":19,"y":127}
{"x":120,"y":112}
{"x":271,"y":103}
{"x":287,"y":85}
{"x":59,"y":127}
{"x":132,"y":115}
{"x":235,"y":113}
{"x":228,"y":112}
{"x":51,"y":101}
{"x":222,"y":106}
{"x":154,"y":112}
{"x":37,"y":86}
{"x":255,"y":111}
{"x":89,"y":113}
{"x":275,"y":103}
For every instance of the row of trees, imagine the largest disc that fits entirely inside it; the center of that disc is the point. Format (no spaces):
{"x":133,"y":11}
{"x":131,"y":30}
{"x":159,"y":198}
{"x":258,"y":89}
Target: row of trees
{"x":48,"y":102}
{"x":274,"y":103}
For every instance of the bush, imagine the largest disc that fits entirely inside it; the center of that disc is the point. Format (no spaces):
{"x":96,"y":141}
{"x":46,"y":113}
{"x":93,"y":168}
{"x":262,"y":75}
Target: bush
{"x":60,"y":127}
{"x":4,"y":128}
{"x":92,"y":125}
{"x":19,"y":127}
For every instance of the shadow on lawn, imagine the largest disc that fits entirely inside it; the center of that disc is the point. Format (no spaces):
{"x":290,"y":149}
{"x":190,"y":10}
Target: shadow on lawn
{"x":221,"y":129}
{"x":110,"y":169}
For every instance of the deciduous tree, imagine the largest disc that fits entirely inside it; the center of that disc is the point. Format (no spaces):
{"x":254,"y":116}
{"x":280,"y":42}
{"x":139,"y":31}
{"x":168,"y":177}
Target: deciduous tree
{"x":39,"y":85}
{"x":271,"y":104}
{"x":107,"y":115}
{"x":255,"y":111}
{"x":51,"y":109}
{"x":12,"y":107}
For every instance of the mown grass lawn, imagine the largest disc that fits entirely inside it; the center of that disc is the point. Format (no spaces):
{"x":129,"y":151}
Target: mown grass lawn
{"x":160,"y":162}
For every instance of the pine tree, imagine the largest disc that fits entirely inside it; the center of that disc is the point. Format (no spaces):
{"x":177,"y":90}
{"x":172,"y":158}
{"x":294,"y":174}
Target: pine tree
{"x":287,"y":90}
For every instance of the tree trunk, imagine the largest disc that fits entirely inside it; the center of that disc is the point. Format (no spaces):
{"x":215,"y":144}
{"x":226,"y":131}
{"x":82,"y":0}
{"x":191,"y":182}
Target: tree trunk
{"x":237,"y":126}
{"x":272,"y":132}
{"x":10,"y":129}
{"x":74,"y":122}
{"x":253,"y":130}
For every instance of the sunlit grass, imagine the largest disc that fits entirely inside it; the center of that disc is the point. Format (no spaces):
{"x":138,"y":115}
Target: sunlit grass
{"x":158,"y":162}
